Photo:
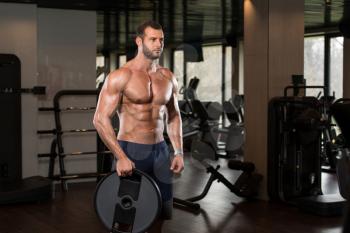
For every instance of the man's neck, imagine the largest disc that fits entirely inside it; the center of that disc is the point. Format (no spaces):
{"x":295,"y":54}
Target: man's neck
{"x":145,"y":64}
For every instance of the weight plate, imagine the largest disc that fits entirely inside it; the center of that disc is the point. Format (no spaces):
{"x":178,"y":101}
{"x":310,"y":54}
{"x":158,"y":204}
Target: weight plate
{"x":147,"y":204}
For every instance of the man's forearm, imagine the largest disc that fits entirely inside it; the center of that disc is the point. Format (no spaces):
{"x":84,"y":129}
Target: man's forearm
{"x":174,"y":129}
{"x":107,"y":134}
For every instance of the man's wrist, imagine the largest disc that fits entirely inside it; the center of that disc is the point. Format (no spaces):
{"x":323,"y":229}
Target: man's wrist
{"x":178,"y":152}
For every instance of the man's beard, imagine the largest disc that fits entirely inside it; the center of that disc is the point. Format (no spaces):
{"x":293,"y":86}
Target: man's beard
{"x":148,"y":53}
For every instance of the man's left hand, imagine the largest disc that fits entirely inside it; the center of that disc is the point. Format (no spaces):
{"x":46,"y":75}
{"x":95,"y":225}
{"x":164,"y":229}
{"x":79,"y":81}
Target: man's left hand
{"x":177,"y":164}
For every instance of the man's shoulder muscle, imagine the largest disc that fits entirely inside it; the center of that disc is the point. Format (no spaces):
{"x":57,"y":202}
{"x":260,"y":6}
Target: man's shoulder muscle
{"x":119,"y":78}
{"x":168,"y":74}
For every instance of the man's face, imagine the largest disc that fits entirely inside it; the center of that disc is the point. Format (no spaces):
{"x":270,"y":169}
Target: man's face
{"x":152,"y":43}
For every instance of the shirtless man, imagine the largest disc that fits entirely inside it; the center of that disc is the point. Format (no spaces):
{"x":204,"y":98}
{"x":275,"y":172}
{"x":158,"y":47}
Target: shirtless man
{"x":144,"y":94}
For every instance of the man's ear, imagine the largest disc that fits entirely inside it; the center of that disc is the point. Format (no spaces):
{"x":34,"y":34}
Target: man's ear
{"x":138,"y":41}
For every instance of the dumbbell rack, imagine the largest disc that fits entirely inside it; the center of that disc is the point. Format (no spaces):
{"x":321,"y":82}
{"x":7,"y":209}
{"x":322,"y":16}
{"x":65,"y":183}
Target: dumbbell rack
{"x":57,"y":149}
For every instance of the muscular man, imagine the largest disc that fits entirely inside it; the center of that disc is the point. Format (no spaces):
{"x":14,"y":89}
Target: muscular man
{"x":144,"y":94}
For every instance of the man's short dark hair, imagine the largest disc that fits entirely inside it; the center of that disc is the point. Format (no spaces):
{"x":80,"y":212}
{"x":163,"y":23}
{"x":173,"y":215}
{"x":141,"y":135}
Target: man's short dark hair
{"x":141,"y":29}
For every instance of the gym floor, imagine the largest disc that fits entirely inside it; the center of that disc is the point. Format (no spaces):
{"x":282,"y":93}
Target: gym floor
{"x":222,"y":211}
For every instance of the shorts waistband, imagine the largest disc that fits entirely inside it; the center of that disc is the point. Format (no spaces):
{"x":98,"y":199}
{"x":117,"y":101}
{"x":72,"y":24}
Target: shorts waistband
{"x":161,"y":144}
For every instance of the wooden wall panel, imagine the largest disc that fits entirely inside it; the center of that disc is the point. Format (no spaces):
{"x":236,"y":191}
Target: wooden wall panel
{"x":273,"y":51}
{"x":286,"y":43}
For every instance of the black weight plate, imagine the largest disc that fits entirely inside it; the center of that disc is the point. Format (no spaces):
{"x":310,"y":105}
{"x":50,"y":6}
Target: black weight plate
{"x":147,"y":205}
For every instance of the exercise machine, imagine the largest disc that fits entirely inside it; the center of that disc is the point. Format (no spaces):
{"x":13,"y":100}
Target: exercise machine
{"x":13,"y":188}
{"x":203,"y":149}
{"x":340,"y":110}
{"x":295,"y":126}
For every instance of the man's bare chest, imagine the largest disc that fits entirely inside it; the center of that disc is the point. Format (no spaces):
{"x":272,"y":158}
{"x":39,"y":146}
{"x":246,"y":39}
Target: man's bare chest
{"x":143,"y":89}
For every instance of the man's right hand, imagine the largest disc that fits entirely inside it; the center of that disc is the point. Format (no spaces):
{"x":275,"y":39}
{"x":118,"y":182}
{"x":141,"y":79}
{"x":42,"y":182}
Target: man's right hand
{"x":124,"y":167}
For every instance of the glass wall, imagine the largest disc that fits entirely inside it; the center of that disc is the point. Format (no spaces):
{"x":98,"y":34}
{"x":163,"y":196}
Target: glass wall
{"x":241,"y":68}
{"x":228,"y":73}
{"x":336,"y":67}
{"x":122,"y":60}
{"x":209,"y":72}
{"x":178,"y":69}
{"x":100,"y":65}
{"x":314,"y":63}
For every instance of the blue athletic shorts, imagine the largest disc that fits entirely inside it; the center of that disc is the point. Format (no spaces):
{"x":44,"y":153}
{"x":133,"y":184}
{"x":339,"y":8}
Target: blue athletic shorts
{"x":154,"y":159}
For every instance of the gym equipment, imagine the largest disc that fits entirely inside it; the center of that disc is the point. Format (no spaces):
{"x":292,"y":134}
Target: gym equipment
{"x":203,"y":148}
{"x":205,"y":116}
{"x":14,"y":189}
{"x":177,"y":201}
{"x":340,"y":110}
{"x":246,"y":185}
{"x":329,"y":143}
{"x":131,"y":203}
{"x":57,"y":149}
{"x":189,"y":92}
{"x":76,"y":153}
{"x":294,"y":142}
{"x":295,"y":127}
{"x":294,"y":168}
{"x":11,"y":129}
{"x":190,"y":121}
{"x":36,"y":90}
{"x":44,"y":109}
{"x":323,"y":205}
{"x":54,"y":131}
{"x":235,"y":138}
{"x":298,"y":80}
{"x":190,"y":117}
{"x":209,"y":127}
{"x":233,"y":109}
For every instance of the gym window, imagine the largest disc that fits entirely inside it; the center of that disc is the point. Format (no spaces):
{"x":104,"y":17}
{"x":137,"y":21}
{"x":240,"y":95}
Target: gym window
{"x":323,"y":63}
{"x":336,"y":66}
{"x":122,"y":60}
{"x":228,"y":73}
{"x":314,"y":63}
{"x":209,"y":71}
{"x":178,"y":69}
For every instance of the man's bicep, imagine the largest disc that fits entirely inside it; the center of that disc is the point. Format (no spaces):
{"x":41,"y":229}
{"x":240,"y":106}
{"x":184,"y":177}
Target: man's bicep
{"x":173,"y":107}
{"x":110,"y":96}
{"x":108,"y":102}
